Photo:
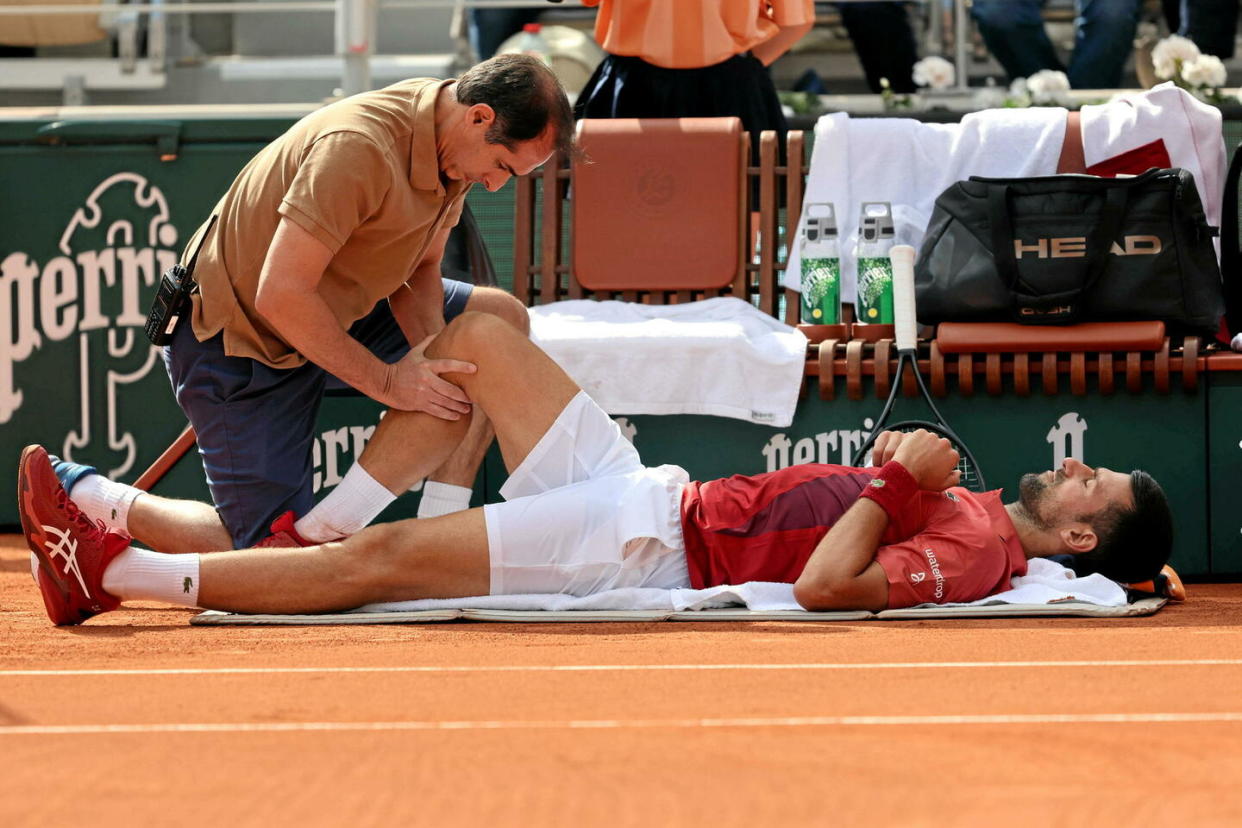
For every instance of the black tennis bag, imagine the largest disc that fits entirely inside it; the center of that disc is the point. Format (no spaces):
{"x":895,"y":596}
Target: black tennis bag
{"x":1071,"y":248}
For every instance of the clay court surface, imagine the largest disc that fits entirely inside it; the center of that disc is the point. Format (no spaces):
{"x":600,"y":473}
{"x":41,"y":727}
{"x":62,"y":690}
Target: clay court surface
{"x":137,"y":718}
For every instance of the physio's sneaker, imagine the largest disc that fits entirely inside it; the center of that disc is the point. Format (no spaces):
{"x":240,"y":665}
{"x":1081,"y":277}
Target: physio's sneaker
{"x":73,"y":551}
{"x":283,"y":535}
{"x":68,"y":472}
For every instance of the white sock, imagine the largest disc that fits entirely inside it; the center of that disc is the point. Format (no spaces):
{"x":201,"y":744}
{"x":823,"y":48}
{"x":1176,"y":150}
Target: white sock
{"x":356,"y":501}
{"x":442,"y":499}
{"x":142,"y":575}
{"x":104,"y":499}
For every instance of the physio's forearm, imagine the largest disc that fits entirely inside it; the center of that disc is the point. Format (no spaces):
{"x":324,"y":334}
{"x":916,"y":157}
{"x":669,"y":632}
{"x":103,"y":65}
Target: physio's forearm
{"x":418,"y":305}
{"x":305,"y":321}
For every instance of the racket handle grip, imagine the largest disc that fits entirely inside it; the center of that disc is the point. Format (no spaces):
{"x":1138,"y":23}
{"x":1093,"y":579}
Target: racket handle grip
{"x":905,"y":321}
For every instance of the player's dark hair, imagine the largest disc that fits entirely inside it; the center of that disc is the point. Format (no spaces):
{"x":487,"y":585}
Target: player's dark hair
{"x":1134,"y":544}
{"x":526,"y":97}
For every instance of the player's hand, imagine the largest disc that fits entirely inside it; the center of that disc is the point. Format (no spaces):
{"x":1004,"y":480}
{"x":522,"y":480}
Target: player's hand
{"x":414,"y":383}
{"x":930,"y":459}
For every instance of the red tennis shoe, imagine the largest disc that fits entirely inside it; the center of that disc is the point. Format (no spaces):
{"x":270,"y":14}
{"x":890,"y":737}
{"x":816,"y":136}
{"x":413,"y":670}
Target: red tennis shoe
{"x":72,"y":550}
{"x":283,"y":536}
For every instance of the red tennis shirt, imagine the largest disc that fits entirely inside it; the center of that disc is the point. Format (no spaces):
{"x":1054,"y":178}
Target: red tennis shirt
{"x":946,"y":546}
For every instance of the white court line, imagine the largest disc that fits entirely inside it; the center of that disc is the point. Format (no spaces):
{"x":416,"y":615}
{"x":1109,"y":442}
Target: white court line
{"x":598,"y":668}
{"x":618,"y":724}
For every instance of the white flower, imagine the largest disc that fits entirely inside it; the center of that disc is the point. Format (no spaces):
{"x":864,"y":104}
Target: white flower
{"x":1166,"y":55}
{"x":1048,"y":86}
{"x":1205,"y":70}
{"x":935,"y":72}
{"x":989,"y":96}
{"x":1019,"y":95}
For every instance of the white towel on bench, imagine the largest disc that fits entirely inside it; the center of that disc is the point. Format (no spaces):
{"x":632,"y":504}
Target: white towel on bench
{"x":1045,"y":582}
{"x":720,"y":356}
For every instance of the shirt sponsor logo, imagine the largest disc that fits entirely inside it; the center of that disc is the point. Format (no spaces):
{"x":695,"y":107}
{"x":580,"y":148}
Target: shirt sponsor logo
{"x":935,"y":570}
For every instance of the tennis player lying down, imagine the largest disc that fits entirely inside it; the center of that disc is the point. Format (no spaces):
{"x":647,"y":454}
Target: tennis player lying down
{"x":582,"y":514}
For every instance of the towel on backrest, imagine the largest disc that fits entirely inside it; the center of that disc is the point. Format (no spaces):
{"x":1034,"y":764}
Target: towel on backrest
{"x":719,"y":356}
{"x":1045,"y":582}
{"x":1187,"y":132}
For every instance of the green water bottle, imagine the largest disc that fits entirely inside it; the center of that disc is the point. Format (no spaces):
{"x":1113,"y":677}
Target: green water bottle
{"x":821,"y":266}
{"x":875,"y":269}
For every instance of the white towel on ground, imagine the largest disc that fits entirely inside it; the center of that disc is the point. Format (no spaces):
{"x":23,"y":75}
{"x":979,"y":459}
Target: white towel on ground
{"x":908,"y":163}
{"x":719,"y":356}
{"x":1045,"y":582}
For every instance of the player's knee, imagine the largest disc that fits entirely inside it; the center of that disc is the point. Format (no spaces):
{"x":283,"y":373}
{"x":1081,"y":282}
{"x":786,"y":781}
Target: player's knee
{"x":359,"y":563}
{"x":384,"y":564}
{"x":503,"y":305}
{"x":473,"y":335}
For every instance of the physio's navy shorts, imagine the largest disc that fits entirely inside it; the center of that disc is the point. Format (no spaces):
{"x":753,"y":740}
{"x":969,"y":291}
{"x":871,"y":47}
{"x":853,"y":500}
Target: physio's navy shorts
{"x":256,"y":424}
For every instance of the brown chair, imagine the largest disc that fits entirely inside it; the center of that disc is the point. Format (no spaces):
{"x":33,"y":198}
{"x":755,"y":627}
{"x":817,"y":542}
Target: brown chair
{"x":656,"y":211}
{"x":658,"y":205}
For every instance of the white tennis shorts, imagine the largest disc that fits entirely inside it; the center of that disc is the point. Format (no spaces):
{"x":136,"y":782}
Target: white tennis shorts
{"x":583,"y":515}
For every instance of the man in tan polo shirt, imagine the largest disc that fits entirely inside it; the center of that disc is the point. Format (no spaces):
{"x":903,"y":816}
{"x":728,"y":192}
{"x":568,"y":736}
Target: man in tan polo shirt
{"x":322,"y":268}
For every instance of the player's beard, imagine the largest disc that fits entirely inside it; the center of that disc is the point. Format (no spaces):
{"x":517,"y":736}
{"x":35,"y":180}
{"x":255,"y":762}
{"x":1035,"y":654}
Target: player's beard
{"x":1031,"y":492}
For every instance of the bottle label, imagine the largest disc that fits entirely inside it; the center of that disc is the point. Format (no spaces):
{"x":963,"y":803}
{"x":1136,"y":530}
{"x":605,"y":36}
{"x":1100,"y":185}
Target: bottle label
{"x":875,"y":290}
{"x":821,"y":291}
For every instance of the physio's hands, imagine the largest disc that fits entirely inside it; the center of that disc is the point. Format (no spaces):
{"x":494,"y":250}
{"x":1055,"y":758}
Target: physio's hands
{"x":930,"y":459}
{"x":413,"y":383}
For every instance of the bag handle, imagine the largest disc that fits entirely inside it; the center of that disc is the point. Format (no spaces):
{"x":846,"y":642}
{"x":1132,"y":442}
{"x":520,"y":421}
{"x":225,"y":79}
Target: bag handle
{"x":1030,"y":306}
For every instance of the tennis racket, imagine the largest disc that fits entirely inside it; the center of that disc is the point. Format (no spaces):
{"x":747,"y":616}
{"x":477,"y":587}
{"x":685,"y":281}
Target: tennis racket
{"x":905,"y":330}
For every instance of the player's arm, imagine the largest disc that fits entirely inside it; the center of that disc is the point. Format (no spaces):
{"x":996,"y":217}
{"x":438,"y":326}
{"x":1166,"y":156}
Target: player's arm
{"x":288,"y":298}
{"x":842,"y":573}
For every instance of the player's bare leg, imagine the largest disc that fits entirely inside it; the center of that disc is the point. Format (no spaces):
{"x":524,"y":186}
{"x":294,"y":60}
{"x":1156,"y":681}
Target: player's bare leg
{"x":445,"y":557}
{"x":169,"y":525}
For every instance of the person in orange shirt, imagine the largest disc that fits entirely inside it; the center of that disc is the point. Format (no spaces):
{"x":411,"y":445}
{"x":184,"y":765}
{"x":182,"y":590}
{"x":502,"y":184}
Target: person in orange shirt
{"x":693,"y":58}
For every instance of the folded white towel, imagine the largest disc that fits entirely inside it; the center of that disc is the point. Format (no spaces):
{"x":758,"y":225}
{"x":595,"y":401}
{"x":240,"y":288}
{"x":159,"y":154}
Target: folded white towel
{"x":1045,"y":582}
{"x":720,"y":356}
{"x":908,"y":163}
